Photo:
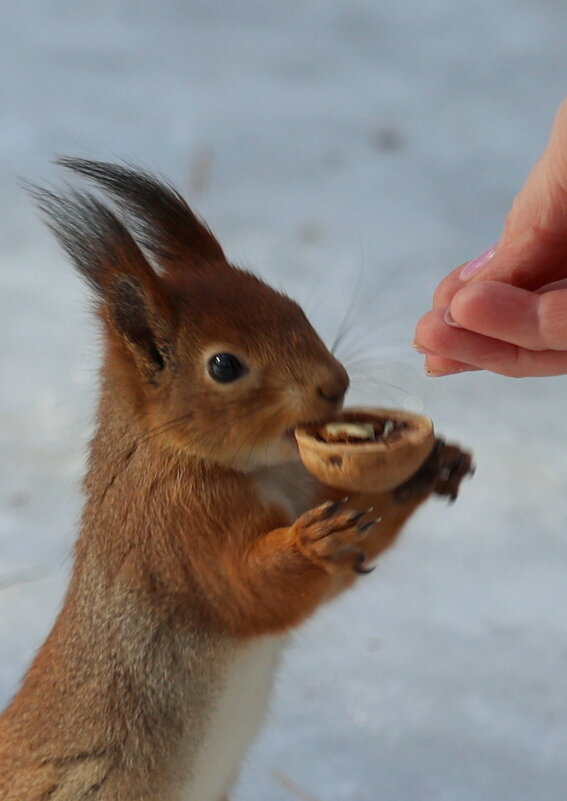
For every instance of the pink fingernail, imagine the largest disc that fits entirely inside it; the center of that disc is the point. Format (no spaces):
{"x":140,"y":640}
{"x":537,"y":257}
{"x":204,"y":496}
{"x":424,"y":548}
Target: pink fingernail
{"x":474,"y":266}
{"x":448,"y":317}
{"x":434,"y":373}
{"x":420,"y":349}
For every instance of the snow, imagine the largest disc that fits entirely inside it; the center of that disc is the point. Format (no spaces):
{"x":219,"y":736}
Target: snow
{"x":366,"y":147}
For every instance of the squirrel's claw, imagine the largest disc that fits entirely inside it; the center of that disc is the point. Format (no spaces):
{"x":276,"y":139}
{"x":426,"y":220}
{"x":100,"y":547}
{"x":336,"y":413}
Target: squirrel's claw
{"x":441,"y":473}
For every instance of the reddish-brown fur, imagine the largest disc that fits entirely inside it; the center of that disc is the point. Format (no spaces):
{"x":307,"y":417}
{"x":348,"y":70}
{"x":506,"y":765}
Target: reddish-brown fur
{"x":179,"y":556}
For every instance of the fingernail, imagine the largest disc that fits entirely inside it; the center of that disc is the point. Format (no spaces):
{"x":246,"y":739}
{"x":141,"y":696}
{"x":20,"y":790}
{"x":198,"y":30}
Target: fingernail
{"x":420,"y":349}
{"x":474,"y":266}
{"x":440,"y":373}
{"x":448,"y":317}
{"x":433,"y":373}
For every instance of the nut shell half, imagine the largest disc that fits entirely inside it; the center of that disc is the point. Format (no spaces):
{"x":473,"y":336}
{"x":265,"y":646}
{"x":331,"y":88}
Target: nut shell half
{"x":367,"y":466}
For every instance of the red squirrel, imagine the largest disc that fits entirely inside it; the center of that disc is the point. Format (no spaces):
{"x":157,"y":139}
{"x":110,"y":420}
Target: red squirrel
{"x":203,"y":539}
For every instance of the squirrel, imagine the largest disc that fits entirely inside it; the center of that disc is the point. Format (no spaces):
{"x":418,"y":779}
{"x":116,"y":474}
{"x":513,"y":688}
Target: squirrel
{"x":203,"y":539}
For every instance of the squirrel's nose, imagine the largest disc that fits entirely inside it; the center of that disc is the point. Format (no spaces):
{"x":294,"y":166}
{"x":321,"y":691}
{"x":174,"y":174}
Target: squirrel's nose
{"x":333,"y":388}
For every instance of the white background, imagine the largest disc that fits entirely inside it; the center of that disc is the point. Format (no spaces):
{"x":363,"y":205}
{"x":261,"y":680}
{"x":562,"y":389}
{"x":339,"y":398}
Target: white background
{"x":344,"y":150}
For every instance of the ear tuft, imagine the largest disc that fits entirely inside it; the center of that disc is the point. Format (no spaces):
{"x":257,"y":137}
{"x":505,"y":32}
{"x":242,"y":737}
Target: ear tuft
{"x":96,"y":241}
{"x":131,"y":297}
{"x":161,"y":219}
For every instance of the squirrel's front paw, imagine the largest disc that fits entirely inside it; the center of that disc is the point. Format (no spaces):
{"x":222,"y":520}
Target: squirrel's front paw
{"x":442,"y":473}
{"x":334,"y":536}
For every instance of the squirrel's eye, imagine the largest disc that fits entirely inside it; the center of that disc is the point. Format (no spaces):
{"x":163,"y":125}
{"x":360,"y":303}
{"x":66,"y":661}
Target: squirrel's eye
{"x":225,"y":367}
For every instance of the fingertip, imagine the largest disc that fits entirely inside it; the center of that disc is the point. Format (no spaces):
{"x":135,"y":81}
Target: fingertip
{"x":439,"y":366}
{"x":423,"y":329}
{"x":447,"y":288}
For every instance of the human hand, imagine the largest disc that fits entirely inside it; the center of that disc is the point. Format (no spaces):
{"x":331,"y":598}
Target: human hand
{"x":506,"y":311}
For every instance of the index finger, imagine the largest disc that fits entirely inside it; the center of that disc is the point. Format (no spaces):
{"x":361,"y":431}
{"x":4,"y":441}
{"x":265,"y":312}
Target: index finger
{"x":507,"y":313}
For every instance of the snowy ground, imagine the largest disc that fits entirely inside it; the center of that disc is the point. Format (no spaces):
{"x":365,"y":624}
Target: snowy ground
{"x":323,"y":140}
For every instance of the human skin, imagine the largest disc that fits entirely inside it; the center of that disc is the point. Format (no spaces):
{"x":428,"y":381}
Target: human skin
{"x":506,"y":310}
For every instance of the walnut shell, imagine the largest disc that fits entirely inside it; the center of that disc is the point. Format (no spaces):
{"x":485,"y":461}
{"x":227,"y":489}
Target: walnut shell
{"x":367,"y":466}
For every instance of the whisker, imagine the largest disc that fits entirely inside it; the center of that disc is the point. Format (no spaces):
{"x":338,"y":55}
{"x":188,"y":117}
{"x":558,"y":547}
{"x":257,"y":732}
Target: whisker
{"x":383,"y":361}
{"x":362,"y":349}
{"x":173,"y":423}
{"x":162,"y":428}
{"x":379,"y":372}
{"x":368,"y":334}
{"x":258,"y":435}
{"x":343,"y":326}
{"x":377,"y":382}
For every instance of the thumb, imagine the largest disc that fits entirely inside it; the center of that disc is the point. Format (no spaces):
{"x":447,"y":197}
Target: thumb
{"x":532,"y":250}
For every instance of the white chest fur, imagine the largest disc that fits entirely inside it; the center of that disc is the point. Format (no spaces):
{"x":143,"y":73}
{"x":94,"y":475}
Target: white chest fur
{"x":241,"y":707}
{"x":238,"y":715}
{"x":287,"y":485}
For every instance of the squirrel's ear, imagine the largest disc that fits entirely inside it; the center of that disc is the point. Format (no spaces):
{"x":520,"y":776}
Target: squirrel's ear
{"x":161,"y":219}
{"x":130,"y":297}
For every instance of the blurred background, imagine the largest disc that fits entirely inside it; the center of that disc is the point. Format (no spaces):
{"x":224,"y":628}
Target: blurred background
{"x":351,"y":152}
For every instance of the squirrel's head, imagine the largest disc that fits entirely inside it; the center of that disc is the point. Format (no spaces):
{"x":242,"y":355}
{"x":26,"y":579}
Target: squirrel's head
{"x":209,"y":358}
